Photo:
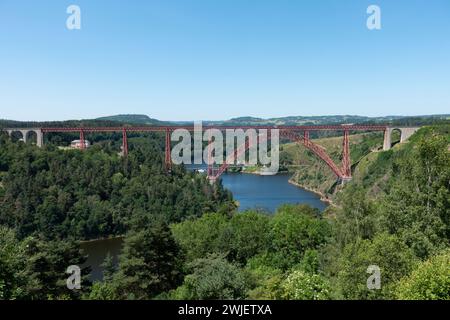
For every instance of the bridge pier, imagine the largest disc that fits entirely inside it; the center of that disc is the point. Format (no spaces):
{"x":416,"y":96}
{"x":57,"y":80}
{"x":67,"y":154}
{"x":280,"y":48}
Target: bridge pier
{"x":167,"y":156}
{"x":25,"y":131}
{"x":405,"y":134}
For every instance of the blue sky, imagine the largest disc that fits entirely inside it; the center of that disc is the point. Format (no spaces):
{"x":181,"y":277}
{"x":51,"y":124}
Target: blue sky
{"x":217,"y":59}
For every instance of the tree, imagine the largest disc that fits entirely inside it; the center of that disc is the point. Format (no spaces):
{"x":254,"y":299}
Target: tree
{"x":429,"y":281}
{"x":356,"y":218}
{"x":106,"y":289}
{"x":212,"y":278}
{"x":417,"y":207}
{"x":300,"y":285}
{"x":295,"y":229}
{"x":102,"y":290}
{"x":108,"y":267}
{"x":12,"y":262}
{"x":47,"y":263}
{"x":149,"y":264}
{"x":202,"y":236}
{"x":387,"y":252}
{"x":265,"y":281}
{"x":249,"y":235}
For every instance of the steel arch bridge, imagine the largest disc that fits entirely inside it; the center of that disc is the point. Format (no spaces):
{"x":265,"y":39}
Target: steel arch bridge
{"x":298,"y":134}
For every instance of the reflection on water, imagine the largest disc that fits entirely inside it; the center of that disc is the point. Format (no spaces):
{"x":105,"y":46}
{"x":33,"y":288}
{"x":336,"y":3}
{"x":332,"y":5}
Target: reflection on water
{"x":97,"y":251}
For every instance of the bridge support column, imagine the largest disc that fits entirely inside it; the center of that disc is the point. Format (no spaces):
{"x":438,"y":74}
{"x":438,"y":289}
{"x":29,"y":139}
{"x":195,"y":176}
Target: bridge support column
{"x":406,"y":133}
{"x":306,"y":137}
{"x":210,"y":169}
{"x":25,"y":131}
{"x":39,"y":138}
{"x":168,"y":159}
{"x":346,"y":169}
{"x":82,"y":142}
{"x":387,"y":139}
{"x":124,"y":143}
{"x":24,"y":135}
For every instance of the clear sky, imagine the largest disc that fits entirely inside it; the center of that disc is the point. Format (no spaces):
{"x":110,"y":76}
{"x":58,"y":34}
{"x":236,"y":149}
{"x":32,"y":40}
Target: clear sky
{"x":217,"y":59}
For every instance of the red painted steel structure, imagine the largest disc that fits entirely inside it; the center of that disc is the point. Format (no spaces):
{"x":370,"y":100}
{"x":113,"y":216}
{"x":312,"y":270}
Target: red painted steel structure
{"x":124,"y":142}
{"x":82,"y":143}
{"x":346,"y":163}
{"x":168,"y":160}
{"x":299,"y":134}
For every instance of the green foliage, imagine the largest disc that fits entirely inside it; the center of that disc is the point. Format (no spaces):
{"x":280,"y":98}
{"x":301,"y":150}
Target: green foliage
{"x":394,"y":214}
{"x":213,"y":278}
{"x":265,"y":281}
{"x":12,"y":262}
{"x":417,"y":207}
{"x":96,"y":193}
{"x":393,"y":257}
{"x":149,"y":264}
{"x":102,"y":291}
{"x":249,"y":235}
{"x":304,"y":286}
{"x":294,"y":229}
{"x":108,"y":267}
{"x":356,"y":218}
{"x":310,"y":262}
{"x":46,"y":266}
{"x":199,"y":237}
{"x":239,"y":237}
{"x":36,"y":269}
{"x":429,"y":281}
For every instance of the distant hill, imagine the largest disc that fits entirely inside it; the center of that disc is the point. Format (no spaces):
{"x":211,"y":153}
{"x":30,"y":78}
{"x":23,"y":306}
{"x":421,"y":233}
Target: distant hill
{"x":335,"y":119}
{"x":131,"y":118}
{"x":141,"y":119}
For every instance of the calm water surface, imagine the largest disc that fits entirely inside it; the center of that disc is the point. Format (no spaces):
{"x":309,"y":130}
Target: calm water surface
{"x":267,"y":192}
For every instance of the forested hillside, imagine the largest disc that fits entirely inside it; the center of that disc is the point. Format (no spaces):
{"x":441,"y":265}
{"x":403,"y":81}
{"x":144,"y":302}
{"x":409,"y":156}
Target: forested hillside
{"x":371,"y":166}
{"x":50,"y":199}
{"x":312,"y":173}
{"x":184,"y":240}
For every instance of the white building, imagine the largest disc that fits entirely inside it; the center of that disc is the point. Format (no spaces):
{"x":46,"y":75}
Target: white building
{"x":77,"y":144}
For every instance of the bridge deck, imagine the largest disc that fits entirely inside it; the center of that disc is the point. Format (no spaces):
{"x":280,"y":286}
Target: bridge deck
{"x":221,"y":127}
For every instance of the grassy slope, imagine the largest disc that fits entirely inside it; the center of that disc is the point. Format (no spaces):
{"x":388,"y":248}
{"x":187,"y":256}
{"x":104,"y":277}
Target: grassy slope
{"x":314,"y":174}
{"x":371,"y":167}
{"x":374,"y":170}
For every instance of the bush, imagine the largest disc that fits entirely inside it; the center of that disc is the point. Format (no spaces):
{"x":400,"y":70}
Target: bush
{"x":303,"y":286}
{"x":296,"y":229}
{"x":391,"y":255}
{"x":430,"y":281}
{"x":212,"y":278}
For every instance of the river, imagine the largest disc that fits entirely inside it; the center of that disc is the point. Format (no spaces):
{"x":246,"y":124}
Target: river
{"x":250,"y":190}
{"x":267,"y":192}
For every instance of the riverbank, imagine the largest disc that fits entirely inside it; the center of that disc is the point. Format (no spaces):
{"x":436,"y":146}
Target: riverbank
{"x":102,"y":239}
{"x":323,"y":197}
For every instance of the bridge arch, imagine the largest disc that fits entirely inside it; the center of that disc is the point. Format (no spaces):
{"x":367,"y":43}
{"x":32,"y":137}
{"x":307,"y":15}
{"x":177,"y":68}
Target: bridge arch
{"x":17,"y":135}
{"x":31,"y":137}
{"x":304,"y":140}
{"x":26,"y":134}
{"x":405,"y":134}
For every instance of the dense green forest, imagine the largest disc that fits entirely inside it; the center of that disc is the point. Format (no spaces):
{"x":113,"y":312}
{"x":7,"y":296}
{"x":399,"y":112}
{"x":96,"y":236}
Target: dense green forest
{"x":183,"y":238}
